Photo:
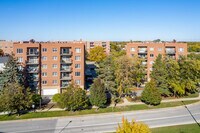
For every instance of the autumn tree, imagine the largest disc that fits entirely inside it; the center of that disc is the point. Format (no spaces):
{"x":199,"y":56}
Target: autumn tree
{"x":151,"y":94}
{"x":132,"y":127}
{"x":124,"y":74}
{"x":159,"y":75}
{"x":74,"y":98}
{"x":1,"y":52}
{"x":97,"y":54}
{"x":98,"y":93}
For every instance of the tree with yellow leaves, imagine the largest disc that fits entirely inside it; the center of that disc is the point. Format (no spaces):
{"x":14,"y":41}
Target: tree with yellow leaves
{"x":97,"y":54}
{"x":132,"y":127}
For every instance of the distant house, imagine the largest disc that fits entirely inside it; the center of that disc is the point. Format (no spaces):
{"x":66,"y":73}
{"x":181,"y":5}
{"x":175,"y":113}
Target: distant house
{"x":3,"y":61}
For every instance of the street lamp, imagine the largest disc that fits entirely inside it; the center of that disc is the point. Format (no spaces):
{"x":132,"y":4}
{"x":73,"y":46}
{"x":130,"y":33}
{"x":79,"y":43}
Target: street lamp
{"x":33,"y":106}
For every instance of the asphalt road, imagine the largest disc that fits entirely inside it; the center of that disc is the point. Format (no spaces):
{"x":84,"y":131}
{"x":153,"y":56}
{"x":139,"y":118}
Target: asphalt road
{"x":104,"y":122}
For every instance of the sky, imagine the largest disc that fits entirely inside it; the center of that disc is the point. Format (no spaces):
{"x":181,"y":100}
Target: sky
{"x":114,"y":20}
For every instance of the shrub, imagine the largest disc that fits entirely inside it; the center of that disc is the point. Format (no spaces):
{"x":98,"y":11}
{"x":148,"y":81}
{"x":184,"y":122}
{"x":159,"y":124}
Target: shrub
{"x":56,"y":98}
{"x":151,"y":94}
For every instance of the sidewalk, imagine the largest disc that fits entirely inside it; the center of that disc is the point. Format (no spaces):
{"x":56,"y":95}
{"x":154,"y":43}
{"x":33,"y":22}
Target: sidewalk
{"x":127,"y":103}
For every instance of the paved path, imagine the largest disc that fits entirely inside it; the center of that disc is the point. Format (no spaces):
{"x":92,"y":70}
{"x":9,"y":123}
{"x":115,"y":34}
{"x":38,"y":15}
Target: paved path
{"x":104,"y":122}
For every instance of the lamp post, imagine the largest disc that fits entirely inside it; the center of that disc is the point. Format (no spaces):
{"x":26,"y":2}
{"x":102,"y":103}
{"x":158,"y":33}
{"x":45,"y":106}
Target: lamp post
{"x":33,"y":106}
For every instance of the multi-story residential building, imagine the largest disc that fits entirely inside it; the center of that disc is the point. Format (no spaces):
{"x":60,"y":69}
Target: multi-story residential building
{"x":51,"y":66}
{"x":92,"y":44}
{"x":6,"y":46}
{"x":148,"y":51}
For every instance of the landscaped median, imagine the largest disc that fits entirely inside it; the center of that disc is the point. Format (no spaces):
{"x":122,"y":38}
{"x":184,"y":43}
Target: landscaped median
{"x":93,"y":111}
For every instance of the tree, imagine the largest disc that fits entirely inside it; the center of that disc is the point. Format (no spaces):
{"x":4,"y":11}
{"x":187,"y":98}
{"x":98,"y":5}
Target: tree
{"x":98,"y":93}
{"x":124,"y":74}
{"x":173,"y":77}
{"x":159,"y":75}
{"x":11,"y":73}
{"x":189,"y":74}
{"x":32,"y":41}
{"x":97,"y":54}
{"x":1,"y":52}
{"x":151,"y":94}
{"x":74,"y":98}
{"x":106,"y":72}
{"x":15,"y":98}
{"x":56,"y":98}
{"x":132,"y":127}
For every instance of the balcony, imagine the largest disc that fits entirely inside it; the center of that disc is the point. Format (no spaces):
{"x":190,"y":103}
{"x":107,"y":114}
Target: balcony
{"x":32,"y":62}
{"x":65,"y":69}
{"x":142,"y":56}
{"x":144,"y":63}
{"x":33,"y":70}
{"x":66,"y":78}
{"x":170,"y":51}
{"x":142,"y":51}
{"x":66,"y":61}
{"x":63,"y":86}
{"x":66,"y":53}
{"x":32,"y":53}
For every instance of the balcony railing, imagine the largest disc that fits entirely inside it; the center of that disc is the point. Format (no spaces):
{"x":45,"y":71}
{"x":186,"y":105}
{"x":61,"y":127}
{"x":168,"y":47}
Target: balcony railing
{"x":65,"y":78}
{"x":170,"y":51}
{"x":32,"y":62}
{"x":64,"y":85}
{"x":36,"y":70}
{"x":32,"y":53}
{"x":66,"y":53}
{"x":65,"y":69}
{"x":142,"y":51}
{"x":66,"y":61}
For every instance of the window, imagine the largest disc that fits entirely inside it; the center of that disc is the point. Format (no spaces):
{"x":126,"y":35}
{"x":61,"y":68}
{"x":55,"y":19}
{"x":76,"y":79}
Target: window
{"x":132,"y":49}
{"x":54,"y":57}
{"x":55,"y":82}
{"x":181,"y":49}
{"x":19,"y":50}
{"x":54,"y":65}
{"x":44,"y":82}
{"x":44,"y":58}
{"x":44,"y":49}
{"x":132,"y":55}
{"x":151,"y":55}
{"x":44,"y":74}
{"x":77,"y":58}
{"x":159,"y":49}
{"x":54,"y":50}
{"x":77,"y":65}
{"x":20,"y":59}
{"x":77,"y":50}
{"x":78,"y":82}
{"x":44,"y":66}
{"x":55,"y":74}
{"x":151,"y":62}
{"x":151,"y":49}
{"x":77,"y":73}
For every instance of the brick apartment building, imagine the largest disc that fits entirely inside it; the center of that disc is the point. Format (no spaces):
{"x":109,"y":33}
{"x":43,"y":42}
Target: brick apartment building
{"x":6,"y":46}
{"x":105,"y":44}
{"x":51,"y":66}
{"x":149,"y":51}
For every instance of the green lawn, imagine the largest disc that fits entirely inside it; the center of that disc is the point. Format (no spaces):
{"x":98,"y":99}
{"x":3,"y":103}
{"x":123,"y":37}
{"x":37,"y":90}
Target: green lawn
{"x":92,"y":111}
{"x":190,"y":128}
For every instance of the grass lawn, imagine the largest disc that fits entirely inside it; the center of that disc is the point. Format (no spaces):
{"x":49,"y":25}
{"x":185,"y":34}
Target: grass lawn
{"x":190,"y":128}
{"x":92,"y":111}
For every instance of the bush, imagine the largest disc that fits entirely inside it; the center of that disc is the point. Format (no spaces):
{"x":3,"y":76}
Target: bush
{"x":132,"y":127}
{"x":36,"y":99}
{"x":56,"y":97}
{"x":151,"y":94}
{"x":74,"y":98}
